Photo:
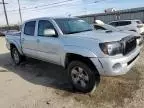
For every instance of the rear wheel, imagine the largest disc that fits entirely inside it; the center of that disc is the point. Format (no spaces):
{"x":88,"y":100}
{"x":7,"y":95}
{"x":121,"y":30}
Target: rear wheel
{"x":82,"y":77}
{"x":16,"y":56}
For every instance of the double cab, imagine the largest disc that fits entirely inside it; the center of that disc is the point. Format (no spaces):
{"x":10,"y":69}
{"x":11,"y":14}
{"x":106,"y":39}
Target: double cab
{"x":73,"y":44}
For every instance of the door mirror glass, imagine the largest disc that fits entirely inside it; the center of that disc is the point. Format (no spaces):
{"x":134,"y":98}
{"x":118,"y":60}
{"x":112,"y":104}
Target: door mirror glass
{"x":49,"y":32}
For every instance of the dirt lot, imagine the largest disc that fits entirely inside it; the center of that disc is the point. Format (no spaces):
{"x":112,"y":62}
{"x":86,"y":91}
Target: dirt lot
{"x":36,"y":84}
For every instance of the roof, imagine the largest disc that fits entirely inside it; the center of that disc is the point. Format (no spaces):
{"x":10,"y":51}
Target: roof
{"x":47,"y":18}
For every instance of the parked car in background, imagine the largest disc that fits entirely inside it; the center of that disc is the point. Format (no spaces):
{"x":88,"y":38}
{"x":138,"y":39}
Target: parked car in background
{"x":11,"y":31}
{"x":109,"y":28}
{"x":130,"y":25}
{"x":1,"y":33}
{"x":75,"y":45}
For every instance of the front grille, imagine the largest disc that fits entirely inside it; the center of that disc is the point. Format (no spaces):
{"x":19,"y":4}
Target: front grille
{"x":130,"y":45}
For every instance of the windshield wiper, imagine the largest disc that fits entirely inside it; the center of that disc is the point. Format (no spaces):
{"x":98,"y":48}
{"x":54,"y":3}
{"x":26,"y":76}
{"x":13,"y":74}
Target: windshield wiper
{"x":73,"y":32}
{"x":88,"y":30}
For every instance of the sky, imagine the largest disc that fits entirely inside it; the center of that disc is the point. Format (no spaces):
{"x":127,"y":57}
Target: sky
{"x":46,"y":8}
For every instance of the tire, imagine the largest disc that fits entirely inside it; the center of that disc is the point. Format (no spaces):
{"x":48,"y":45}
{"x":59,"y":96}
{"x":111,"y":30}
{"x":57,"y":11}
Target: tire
{"x":16,"y":56}
{"x":82,"y":77}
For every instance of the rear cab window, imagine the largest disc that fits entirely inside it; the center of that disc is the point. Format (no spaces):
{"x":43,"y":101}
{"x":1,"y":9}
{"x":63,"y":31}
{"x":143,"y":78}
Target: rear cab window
{"x":29,"y":28}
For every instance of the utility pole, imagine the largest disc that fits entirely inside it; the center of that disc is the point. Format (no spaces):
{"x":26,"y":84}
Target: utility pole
{"x":20,"y":11}
{"x":5,"y":12}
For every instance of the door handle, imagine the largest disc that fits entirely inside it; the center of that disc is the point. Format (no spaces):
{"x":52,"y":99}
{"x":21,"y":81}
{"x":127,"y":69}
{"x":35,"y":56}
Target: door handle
{"x":22,"y":39}
{"x":38,"y":41}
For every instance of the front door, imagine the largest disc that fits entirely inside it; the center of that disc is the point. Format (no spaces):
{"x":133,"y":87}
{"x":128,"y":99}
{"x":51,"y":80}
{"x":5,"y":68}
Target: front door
{"x":49,"y":46}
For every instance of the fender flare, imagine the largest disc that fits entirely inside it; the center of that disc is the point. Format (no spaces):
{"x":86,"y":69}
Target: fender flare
{"x":79,"y":50}
{"x":76,"y":50}
{"x":17,"y":45}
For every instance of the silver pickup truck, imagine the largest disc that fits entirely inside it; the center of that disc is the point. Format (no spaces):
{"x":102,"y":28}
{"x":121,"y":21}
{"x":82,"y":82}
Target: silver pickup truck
{"x":73,"y":44}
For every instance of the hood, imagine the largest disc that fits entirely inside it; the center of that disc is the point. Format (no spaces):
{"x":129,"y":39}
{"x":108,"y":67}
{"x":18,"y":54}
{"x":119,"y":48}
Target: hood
{"x":131,"y":32}
{"x":101,"y":35}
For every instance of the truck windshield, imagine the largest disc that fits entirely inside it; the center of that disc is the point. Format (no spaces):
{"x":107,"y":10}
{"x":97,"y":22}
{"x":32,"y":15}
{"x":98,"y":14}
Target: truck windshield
{"x":73,"y":25}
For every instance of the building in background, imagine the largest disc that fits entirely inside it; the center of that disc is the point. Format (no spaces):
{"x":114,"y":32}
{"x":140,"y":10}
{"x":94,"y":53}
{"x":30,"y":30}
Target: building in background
{"x":127,"y":14}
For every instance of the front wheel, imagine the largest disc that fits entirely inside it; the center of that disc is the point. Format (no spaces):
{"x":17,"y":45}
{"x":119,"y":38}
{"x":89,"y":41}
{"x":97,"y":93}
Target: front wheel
{"x":16,"y":56}
{"x":82,"y":77}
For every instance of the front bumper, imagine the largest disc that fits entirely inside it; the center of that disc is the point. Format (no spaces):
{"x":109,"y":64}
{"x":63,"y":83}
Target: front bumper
{"x":112,"y":66}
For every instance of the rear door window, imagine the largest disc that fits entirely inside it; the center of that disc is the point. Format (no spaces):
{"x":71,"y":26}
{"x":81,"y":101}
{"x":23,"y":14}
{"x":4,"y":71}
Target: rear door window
{"x":29,"y":28}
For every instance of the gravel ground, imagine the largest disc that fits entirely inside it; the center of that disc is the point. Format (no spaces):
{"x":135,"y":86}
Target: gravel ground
{"x":36,"y":84}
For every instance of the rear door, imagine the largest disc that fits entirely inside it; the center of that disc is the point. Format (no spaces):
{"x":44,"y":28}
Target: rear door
{"x":28,"y":39}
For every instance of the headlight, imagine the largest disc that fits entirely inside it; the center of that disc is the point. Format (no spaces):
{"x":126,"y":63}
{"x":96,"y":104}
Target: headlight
{"x":112,"y":48}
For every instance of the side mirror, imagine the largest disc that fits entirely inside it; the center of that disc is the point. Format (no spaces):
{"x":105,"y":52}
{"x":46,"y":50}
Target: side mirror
{"x":49,"y":32}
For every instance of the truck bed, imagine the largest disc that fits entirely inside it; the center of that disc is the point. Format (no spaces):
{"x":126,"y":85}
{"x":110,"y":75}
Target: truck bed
{"x":13,"y":38}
